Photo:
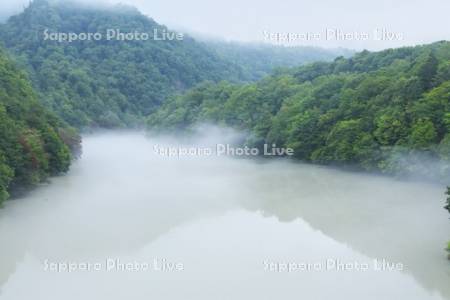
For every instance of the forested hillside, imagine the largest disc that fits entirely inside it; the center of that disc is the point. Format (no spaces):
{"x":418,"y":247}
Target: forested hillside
{"x":105,"y":83}
{"x":96,"y":83}
{"x":34,"y":144}
{"x":377,"y":111}
{"x":259,"y":60}
{"x":116,"y":83}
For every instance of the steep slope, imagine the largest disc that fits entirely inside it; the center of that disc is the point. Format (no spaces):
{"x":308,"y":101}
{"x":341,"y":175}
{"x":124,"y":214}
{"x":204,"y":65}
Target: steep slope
{"x":378,"y":111}
{"x":106,"y":82}
{"x":34,"y":144}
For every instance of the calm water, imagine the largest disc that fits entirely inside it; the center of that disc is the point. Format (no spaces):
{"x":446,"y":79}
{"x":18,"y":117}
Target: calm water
{"x":154,"y":227}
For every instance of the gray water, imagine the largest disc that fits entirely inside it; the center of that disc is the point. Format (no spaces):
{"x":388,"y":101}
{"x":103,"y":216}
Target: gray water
{"x":198,"y":227}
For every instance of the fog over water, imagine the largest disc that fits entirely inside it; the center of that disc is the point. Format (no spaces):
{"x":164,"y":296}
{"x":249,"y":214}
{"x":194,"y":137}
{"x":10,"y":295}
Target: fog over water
{"x":211,"y":227}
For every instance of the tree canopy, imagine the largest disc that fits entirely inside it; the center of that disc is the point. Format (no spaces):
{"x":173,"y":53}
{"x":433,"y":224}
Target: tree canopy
{"x":34,"y":143}
{"x":374,"y":111}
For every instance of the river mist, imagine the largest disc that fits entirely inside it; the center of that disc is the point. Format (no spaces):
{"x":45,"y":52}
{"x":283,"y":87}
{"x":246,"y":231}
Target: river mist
{"x":129,"y":223}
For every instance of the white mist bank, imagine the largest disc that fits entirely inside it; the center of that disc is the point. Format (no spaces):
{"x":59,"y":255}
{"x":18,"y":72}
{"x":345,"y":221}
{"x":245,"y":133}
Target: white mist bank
{"x":197,"y":227}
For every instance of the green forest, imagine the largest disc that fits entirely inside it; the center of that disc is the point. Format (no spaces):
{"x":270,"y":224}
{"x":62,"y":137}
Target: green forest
{"x":105,"y":83}
{"x":385,"y":112}
{"x":50,"y":87}
{"x":110,"y":84}
{"x":34,"y":143}
{"x":379,"y":111}
{"x":375,"y":111}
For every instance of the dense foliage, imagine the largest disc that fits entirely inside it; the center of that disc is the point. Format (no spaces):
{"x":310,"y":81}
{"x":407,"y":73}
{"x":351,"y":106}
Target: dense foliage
{"x":114,"y":83}
{"x":94,"y":83}
{"x":105,"y":82}
{"x":33,"y":142}
{"x":377,"y":111}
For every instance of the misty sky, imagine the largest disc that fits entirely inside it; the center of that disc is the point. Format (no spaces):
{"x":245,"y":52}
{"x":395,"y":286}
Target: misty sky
{"x":408,"y":22}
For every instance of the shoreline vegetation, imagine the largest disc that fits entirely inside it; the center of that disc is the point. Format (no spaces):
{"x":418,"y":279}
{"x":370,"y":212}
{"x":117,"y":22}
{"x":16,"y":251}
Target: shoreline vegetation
{"x":386,"y":111}
{"x":34,"y":143}
{"x":382,"y":112}
{"x":89,"y":85}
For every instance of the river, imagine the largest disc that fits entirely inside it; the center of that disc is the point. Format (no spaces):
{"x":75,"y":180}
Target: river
{"x":128,"y":223}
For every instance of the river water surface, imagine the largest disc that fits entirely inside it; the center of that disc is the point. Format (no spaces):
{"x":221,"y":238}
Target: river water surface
{"x":132,"y":224}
